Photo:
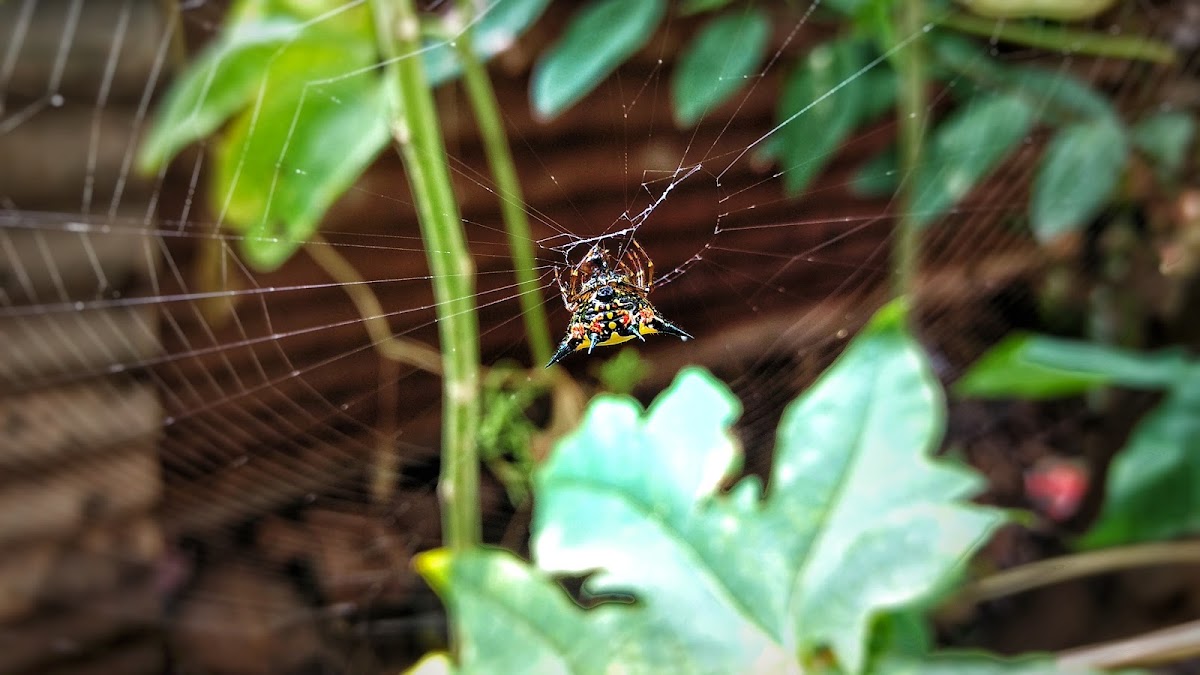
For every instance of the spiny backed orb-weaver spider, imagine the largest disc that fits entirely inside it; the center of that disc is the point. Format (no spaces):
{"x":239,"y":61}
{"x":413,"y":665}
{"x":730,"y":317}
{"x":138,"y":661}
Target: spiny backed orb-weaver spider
{"x":607,"y":297}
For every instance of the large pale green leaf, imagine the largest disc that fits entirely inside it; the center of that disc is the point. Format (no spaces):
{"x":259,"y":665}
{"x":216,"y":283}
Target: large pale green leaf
{"x":220,"y":82}
{"x":313,"y":129}
{"x":1166,"y":138}
{"x":497,"y":27}
{"x":858,"y":519}
{"x":1153,"y":489}
{"x":716,"y":63}
{"x":824,"y":99}
{"x":1078,"y":174}
{"x":598,"y":39}
{"x":511,"y":618}
{"x":965,"y":148}
{"x":1039,"y":366}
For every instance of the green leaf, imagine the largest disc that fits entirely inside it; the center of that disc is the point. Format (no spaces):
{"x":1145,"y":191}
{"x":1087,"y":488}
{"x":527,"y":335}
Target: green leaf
{"x":329,"y":17}
{"x":1080,"y":169}
{"x":1061,"y":96}
{"x":510,"y":618}
{"x":880,"y":176}
{"x":965,"y":148}
{"x":433,"y":663}
{"x":1039,"y":366}
{"x":310,"y":134}
{"x":598,"y":39}
{"x":880,"y":84}
{"x":1152,"y":484}
{"x":876,"y":94}
{"x":623,"y":372}
{"x":216,"y":85}
{"x":823,"y":101}
{"x":1165,"y":138}
{"x":1057,"y":96}
{"x":902,"y":633}
{"x":850,"y":8}
{"x":859,"y":519}
{"x":494,"y":30}
{"x":716,"y":63}
{"x":305,"y":122}
{"x":689,"y":7}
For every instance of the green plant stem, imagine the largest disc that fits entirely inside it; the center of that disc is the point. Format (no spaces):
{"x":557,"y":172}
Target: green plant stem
{"x":374,"y":320}
{"x":1064,"y":568}
{"x":419,"y":139}
{"x":385,"y":468}
{"x":495,"y":144}
{"x":1054,"y":37}
{"x":910,"y":64}
{"x":1160,"y":647}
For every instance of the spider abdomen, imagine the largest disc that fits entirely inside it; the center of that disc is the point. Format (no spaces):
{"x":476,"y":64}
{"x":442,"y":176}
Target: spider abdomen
{"x":601,"y":324}
{"x":607,"y":299}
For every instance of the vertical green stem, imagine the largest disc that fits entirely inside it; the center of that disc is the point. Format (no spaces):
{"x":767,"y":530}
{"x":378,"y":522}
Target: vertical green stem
{"x":910,"y":62}
{"x":495,"y":144}
{"x":419,"y":139}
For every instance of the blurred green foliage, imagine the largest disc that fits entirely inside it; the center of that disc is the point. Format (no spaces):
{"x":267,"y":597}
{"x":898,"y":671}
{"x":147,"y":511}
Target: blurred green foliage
{"x":1152,"y":484}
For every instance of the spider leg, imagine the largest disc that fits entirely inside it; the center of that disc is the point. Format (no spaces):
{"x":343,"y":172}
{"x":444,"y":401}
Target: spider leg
{"x":646,"y":273}
{"x":562,"y":289}
{"x":569,"y":290}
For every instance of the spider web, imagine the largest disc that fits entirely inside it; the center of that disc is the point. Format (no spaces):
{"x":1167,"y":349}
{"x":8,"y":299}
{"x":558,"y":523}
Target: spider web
{"x":216,"y":441}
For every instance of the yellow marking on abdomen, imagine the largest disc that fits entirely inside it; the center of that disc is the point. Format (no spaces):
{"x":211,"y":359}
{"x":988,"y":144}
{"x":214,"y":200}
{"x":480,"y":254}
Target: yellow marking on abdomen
{"x":613,"y":339}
